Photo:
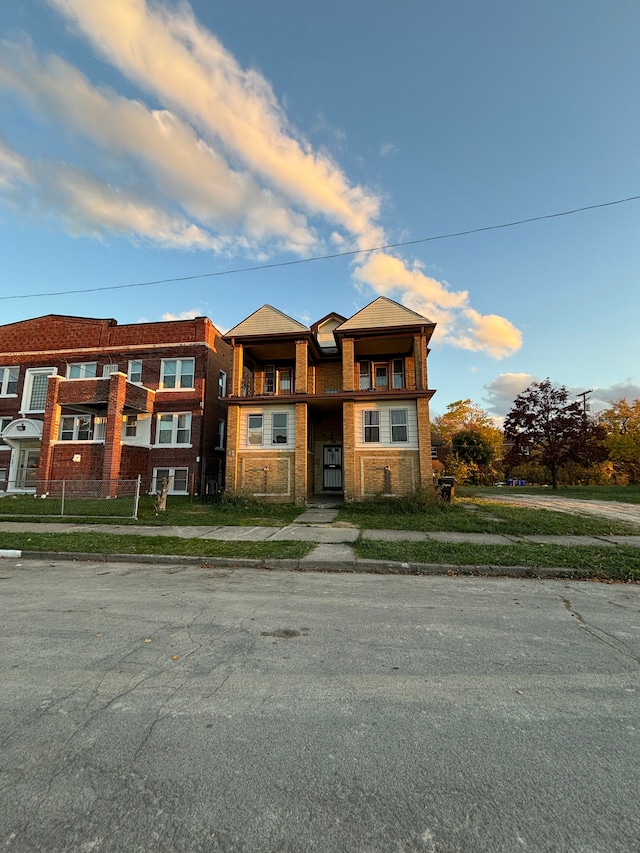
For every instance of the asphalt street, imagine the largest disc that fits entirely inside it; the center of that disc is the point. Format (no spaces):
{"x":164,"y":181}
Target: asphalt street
{"x":176,"y":708}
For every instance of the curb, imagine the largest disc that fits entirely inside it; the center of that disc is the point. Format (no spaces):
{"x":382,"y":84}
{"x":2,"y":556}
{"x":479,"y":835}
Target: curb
{"x":378,"y":567}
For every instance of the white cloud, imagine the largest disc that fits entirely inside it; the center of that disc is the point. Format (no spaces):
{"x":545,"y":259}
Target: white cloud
{"x":217,"y":167}
{"x":388,"y":150}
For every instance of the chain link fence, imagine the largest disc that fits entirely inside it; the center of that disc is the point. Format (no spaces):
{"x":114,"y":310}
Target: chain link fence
{"x":74,"y":499}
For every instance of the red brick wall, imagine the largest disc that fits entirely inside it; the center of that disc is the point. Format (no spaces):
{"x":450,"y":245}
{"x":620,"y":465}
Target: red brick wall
{"x":89,"y":468}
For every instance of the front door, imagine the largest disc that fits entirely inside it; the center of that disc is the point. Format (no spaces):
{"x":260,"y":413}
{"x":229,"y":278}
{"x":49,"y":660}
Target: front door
{"x":28,"y":468}
{"x":332,"y":467}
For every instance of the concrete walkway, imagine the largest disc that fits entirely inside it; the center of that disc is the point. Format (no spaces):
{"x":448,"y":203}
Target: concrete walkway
{"x":333,"y":543}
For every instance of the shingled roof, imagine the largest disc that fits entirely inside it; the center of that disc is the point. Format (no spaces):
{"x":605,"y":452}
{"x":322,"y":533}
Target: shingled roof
{"x":266,"y":321}
{"x":382,"y":313}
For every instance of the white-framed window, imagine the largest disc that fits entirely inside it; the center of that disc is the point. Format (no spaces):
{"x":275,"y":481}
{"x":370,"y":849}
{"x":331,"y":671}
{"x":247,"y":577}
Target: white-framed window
{"x":371,"y":425}
{"x":174,"y":428}
{"x":9,"y":381}
{"x":129,"y":426}
{"x":34,"y":394}
{"x":76,"y":428}
{"x":179,"y":484}
{"x":279,"y":427}
{"x":177,"y":373}
{"x":365,"y":376}
{"x":222,"y":384}
{"x":255,"y":425}
{"x":220,"y":438}
{"x":134,"y":371}
{"x":399,"y":424}
{"x":397,"y":373}
{"x":99,"y":429}
{"x":277,"y":380}
{"x":108,"y":369}
{"x":4,"y":423}
{"x":82,"y":370}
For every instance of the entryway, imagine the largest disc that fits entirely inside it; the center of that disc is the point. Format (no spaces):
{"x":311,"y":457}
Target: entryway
{"x":332,"y":467}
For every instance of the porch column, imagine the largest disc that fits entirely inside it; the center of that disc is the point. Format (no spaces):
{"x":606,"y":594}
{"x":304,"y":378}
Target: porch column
{"x":113,"y":431}
{"x":349,"y":476}
{"x":233,"y":439}
{"x":301,"y":475}
{"x":424,"y":444}
{"x":238,"y":370}
{"x":302,"y":365}
{"x":348,"y":364}
{"x":50,"y":428}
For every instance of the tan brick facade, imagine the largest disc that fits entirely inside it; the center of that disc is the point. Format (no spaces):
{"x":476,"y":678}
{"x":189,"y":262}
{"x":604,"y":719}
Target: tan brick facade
{"x":359,"y":391}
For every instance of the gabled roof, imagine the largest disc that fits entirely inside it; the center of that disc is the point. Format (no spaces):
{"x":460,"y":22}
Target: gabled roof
{"x":383,"y":313}
{"x":266,"y":321}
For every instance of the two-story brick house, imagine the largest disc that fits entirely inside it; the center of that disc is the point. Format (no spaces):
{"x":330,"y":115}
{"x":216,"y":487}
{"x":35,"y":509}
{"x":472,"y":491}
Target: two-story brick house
{"x":339,"y":408}
{"x":84,"y":398}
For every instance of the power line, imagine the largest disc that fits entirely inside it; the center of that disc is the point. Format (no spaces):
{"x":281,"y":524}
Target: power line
{"x":326,"y":257}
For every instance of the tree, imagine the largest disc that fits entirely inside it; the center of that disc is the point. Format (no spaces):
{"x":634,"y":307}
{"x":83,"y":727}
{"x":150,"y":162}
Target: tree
{"x":476,"y":443}
{"x":621,"y":424}
{"x":544,"y":426}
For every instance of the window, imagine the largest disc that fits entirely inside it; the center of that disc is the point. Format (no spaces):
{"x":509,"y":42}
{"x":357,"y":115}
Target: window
{"x":220,"y":439}
{"x":9,"y":381}
{"x":279,"y":428}
{"x":254,"y":429}
{"x":82,"y":370}
{"x":99,"y":429}
{"x":270,"y":379}
{"x":365,"y":376}
{"x":179,"y":484}
{"x":108,"y":369}
{"x":75,"y":428}
{"x":177,"y":372}
{"x":277,"y":380}
{"x":134,"y":372}
{"x":398,"y":421}
{"x":4,"y":423}
{"x":284,"y":380}
{"x":434,"y":452}
{"x":381,"y":373}
{"x":222,"y":384}
{"x":174,"y":429}
{"x":397,"y":366}
{"x":34,"y":396}
{"x":371,"y":423}
{"x":130,"y":426}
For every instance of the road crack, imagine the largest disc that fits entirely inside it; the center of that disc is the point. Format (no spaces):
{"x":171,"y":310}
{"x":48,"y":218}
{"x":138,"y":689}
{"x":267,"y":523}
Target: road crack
{"x":598,"y":633}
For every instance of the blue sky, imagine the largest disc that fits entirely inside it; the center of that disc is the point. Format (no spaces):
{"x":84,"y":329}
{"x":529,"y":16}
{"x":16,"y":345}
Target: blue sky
{"x":142,"y":140}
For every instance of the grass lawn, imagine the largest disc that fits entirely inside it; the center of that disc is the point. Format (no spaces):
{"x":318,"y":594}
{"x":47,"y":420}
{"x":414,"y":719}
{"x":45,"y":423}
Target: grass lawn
{"x":468,"y":515}
{"x":614,"y":563}
{"x":181,"y":511}
{"x":624,"y":494}
{"x":106,"y":543}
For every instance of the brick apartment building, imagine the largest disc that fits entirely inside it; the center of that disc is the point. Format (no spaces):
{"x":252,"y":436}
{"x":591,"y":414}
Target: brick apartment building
{"x":339,"y":408}
{"x":84,"y":398}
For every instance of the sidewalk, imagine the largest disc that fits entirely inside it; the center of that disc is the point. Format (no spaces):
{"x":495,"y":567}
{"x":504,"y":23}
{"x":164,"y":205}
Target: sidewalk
{"x":314,"y":525}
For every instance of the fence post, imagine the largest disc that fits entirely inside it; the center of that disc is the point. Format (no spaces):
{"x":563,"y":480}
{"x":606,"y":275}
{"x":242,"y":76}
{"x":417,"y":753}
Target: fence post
{"x":62,"y":502}
{"x":137,"y":500}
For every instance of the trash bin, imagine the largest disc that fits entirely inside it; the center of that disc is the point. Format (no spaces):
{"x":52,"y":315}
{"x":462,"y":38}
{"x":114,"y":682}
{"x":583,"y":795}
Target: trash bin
{"x":446,"y":487}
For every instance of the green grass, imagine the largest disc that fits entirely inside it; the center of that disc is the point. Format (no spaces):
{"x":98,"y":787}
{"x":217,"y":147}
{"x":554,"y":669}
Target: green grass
{"x":465,"y":515}
{"x":181,"y":511}
{"x":610,"y":563}
{"x":106,"y":543}
{"x":624,"y":494}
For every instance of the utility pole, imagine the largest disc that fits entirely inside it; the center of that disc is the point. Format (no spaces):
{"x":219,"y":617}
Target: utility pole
{"x":584,"y":399}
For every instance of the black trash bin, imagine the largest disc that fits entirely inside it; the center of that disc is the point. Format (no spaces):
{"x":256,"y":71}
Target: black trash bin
{"x":446,"y":486}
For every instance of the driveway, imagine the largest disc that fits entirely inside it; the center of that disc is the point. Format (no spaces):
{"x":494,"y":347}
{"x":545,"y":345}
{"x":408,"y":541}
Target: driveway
{"x":614,"y":510}
{"x":161,"y":709}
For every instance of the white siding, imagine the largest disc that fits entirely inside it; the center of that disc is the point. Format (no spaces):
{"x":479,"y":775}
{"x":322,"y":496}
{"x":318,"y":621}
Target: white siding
{"x":267,"y":413}
{"x":385,"y":425}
